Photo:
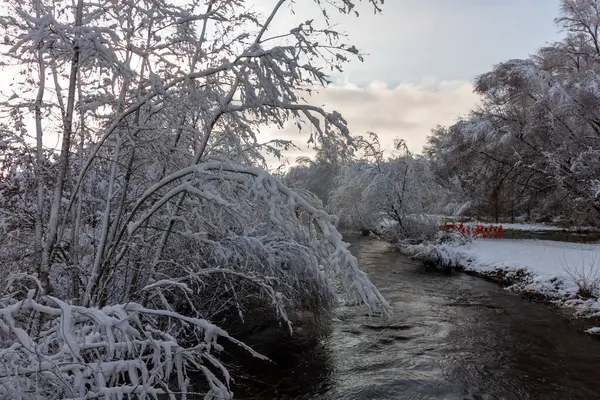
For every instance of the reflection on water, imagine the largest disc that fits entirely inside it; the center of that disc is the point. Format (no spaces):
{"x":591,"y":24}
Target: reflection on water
{"x":451,"y":337}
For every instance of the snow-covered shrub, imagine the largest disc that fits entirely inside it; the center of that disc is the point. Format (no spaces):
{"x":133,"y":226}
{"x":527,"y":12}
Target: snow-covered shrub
{"x":155,"y":211}
{"x":441,"y":251}
{"x":54,"y":350}
{"x":586,"y":276}
{"x":443,"y":256}
{"x":412,"y":229}
{"x":258,"y":243}
{"x":452,"y":237}
{"x":257,"y":227}
{"x":390,"y":197}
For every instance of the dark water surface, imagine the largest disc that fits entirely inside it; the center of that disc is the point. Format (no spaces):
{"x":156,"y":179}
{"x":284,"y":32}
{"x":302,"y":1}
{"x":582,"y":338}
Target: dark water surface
{"x":451,"y":337}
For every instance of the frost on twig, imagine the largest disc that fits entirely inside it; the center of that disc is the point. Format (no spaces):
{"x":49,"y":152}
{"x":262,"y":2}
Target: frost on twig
{"x":265,"y":227}
{"x":138,"y":237}
{"x":270,"y":239}
{"x":119,"y":351}
{"x":341,"y":264}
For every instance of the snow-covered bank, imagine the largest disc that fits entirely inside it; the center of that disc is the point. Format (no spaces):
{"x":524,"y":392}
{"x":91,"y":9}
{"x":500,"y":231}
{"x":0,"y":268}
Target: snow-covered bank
{"x":525,"y":227}
{"x":566,"y":273}
{"x":518,"y":226}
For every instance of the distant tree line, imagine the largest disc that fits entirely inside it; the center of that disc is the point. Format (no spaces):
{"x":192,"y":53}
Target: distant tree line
{"x":369,"y":191}
{"x":531,"y":149}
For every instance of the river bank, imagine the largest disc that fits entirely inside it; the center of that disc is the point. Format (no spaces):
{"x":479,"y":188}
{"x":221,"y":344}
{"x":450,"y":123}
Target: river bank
{"x":564,"y":274}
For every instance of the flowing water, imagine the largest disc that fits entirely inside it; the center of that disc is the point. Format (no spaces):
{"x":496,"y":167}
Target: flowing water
{"x":451,"y":337}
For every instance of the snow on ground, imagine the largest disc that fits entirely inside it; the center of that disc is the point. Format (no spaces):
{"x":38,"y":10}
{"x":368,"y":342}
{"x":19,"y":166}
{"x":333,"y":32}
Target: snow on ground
{"x":386,"y":222}
{"x":553,"y":269}
{"x":520,"y":226}
{"x":530,"y":227}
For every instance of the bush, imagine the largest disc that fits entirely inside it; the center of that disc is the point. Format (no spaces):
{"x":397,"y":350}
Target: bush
{"x":112,"y":352}
{"x":586,"y":277}
{"x":412,"y":229}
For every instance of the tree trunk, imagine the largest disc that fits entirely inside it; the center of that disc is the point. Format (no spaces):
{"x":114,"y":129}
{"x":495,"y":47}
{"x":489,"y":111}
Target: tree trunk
{"x":39,"y":173}
{"x":63,"y":162}
{"x":496,"y":204}
{"x":512,"y":212}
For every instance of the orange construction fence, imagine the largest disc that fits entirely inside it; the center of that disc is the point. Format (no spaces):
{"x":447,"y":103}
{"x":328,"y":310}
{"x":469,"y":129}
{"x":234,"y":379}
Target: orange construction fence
{"x":480,"y":231}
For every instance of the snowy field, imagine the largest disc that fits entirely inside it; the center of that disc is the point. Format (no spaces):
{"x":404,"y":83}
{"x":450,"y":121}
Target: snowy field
{"x":555,"y":269}
{"x":524,"y":227}
{"x":527,"y":227}
{"x":535,"y":227}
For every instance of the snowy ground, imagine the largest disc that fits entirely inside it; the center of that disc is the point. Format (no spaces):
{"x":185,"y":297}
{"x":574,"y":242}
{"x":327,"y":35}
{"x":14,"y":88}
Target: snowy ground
{"x":555,"y":270}
{"x":524,"y":227}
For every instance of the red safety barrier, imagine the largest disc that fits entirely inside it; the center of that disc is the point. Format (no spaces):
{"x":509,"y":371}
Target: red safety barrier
{"x":476,"y":231}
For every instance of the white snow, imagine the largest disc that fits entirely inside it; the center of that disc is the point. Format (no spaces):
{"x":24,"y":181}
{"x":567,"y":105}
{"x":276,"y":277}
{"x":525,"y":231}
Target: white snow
{"x":518,"y":226}
{"x":539,"y":227}
{"x":525,"y":227}
{"x":554,"y":269}
{"x":528,"y":227}
{"x":543,"y":257}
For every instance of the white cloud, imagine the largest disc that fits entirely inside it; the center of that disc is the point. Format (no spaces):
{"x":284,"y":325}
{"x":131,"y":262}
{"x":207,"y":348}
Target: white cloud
{"x":456,"y":39}
{"x":408,"y":111}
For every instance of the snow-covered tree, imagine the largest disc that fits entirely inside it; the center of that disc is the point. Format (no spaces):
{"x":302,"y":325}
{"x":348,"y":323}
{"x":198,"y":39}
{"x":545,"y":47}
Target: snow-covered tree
{"x":373,"y":191}
{"x":534,"y":140}
{"x":155,"y":214}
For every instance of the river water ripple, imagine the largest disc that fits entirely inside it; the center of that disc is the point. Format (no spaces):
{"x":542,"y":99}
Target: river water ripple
{"x":451,"y":337}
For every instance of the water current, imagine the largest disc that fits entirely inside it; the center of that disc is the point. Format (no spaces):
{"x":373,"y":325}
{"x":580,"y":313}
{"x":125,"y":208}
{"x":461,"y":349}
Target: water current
{"x":451,"y":337}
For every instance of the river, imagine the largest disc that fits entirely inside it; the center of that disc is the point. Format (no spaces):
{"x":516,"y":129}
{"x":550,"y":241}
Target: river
{"x":451,"y":337}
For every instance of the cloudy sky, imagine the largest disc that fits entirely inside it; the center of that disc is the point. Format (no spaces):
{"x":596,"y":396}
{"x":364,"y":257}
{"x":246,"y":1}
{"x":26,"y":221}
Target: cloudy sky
{"x":422,"y":58}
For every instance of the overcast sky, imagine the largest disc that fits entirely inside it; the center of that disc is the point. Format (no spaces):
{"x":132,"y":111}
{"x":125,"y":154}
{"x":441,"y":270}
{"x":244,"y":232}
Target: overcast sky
{"x":422,"y":58}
